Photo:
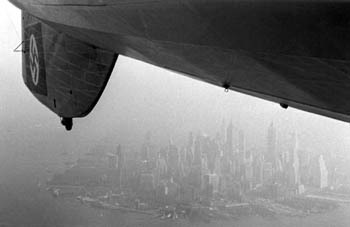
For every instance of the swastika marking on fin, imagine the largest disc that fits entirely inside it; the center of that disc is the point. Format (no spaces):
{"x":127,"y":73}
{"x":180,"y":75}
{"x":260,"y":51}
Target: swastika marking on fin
{"x":34,"y":60}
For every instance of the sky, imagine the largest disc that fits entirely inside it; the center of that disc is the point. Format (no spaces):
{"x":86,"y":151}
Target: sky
{"x":139,"y":98}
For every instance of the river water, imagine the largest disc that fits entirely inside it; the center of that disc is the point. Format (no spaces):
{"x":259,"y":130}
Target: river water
{"x":26,"y":206}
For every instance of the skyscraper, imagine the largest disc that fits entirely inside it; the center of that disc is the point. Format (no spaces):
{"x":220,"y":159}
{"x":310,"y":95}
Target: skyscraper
{"x":196,"y":170}
{"x":229,"y":139}
{"x":241,"y":141}
{"x":145,"y":149}
{"x":120,"y":165}
{"x":270,"y":155}
{"x":323,"y":172}
{"x":294,"y":161}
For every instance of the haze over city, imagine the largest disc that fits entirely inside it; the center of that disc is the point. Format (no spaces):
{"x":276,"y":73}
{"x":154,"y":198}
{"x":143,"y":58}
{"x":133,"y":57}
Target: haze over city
{"x":140,"y":98}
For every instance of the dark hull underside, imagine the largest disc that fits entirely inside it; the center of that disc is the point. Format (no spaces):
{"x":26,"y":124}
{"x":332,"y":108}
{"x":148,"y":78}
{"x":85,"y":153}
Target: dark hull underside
{"x":291,"y":52}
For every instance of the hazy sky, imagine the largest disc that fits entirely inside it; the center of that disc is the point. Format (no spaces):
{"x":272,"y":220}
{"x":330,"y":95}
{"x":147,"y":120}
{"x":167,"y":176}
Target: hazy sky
{"x":140,"y":97}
